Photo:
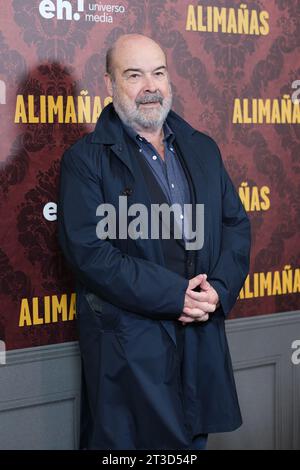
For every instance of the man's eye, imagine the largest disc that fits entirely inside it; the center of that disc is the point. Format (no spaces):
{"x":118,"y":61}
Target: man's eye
{"x":134,"y":75}
{"x":160,"y":74}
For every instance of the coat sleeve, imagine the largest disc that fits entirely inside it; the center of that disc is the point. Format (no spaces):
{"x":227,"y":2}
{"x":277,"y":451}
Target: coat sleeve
{"x":128,"y":282}
{"x":229,"y":273}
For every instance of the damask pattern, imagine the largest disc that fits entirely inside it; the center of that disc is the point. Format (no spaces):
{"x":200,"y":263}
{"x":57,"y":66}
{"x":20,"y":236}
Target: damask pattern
{"x":52,"y":57}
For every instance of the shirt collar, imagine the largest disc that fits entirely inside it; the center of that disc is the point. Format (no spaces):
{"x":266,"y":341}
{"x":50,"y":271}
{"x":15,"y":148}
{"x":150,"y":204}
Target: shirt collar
{"x":168,"y":134}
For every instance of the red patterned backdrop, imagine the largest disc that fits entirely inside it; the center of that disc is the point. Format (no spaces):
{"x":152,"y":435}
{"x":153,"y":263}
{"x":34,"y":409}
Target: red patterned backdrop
{"x":226,"y":59}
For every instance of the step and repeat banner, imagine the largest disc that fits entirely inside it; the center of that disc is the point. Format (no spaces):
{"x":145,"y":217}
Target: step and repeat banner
{"x":235,"y":73}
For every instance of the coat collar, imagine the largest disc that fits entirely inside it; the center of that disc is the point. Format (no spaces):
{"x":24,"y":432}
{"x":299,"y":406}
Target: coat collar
{"x":109,"y":129}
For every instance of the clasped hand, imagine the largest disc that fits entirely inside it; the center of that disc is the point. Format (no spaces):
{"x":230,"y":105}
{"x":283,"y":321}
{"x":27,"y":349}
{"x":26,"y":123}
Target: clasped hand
{"x":198,"y":305}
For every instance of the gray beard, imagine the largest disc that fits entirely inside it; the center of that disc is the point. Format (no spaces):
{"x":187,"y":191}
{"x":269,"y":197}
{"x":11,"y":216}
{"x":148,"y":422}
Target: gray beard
{"x":138,"y":120}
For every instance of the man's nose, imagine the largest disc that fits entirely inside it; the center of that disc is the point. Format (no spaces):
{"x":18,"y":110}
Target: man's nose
{"x":149,"y":84}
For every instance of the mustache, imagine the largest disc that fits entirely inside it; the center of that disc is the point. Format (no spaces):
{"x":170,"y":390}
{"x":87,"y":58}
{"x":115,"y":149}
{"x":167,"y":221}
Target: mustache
{"x":150,"y":98}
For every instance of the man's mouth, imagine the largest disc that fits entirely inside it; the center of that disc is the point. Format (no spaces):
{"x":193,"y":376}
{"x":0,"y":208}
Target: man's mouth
{"x":151,"y":103}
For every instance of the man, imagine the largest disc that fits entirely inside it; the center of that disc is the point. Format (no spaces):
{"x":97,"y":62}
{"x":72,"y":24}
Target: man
{"x":157,"y":372}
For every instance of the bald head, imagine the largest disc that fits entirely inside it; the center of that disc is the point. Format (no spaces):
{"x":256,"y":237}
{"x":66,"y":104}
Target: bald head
{"x":128,"y":47}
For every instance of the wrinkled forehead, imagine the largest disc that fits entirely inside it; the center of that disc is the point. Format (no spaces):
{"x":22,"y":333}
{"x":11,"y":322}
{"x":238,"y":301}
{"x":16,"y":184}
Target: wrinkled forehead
{"x":142,"y":55}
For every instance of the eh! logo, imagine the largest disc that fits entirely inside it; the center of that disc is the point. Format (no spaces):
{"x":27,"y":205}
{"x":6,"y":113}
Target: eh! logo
{"x":61,"y":9}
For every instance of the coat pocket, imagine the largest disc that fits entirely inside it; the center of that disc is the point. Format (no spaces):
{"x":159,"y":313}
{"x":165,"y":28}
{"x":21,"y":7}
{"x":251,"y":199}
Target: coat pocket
{"x":106,"y":314}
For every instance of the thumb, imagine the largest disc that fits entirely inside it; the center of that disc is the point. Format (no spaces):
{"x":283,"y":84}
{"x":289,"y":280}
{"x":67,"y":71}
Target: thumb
{"x":195,"y":281}
{"x":204,"y":284}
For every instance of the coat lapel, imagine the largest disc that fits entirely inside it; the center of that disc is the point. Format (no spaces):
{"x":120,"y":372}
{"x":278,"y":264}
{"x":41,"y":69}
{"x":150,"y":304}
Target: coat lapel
{"x":139,"y":194}
{"x":190,"y":154}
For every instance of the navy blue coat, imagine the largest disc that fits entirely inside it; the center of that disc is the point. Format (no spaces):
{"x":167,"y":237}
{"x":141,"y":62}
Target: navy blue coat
{"x":128,"y":302}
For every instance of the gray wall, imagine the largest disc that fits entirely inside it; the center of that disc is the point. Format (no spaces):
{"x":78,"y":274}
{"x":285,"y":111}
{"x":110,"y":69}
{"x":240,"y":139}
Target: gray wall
{"x":267,"y":381}
{"x":39,"y":390}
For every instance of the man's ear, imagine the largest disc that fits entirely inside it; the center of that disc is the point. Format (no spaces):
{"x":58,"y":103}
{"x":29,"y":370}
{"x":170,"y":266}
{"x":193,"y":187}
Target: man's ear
{"x":108,"y":83}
